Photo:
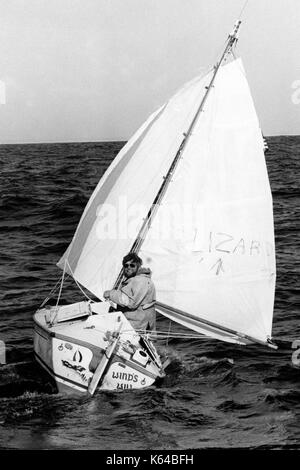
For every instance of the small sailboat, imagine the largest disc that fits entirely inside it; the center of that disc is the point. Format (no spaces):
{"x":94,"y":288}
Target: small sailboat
{"x":189,"y":193}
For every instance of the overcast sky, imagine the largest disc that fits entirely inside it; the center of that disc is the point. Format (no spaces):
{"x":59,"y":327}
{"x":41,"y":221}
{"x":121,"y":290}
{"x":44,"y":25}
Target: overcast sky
{"x":93,"y":70}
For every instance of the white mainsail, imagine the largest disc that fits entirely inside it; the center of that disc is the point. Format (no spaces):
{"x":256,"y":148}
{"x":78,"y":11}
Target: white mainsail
{"x":211,"y":244}
{"x":117,"y":207}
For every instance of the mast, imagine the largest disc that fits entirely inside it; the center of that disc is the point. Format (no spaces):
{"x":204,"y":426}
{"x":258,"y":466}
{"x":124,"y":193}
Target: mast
{"x":231,"y":41}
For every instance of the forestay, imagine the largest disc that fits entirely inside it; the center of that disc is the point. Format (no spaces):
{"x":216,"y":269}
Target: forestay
{"x":211,"y":243}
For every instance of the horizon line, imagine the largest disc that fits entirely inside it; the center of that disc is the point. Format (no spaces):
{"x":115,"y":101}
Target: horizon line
{"x":106,"y":141}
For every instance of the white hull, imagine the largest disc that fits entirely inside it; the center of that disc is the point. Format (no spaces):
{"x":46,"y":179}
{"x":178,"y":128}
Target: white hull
{"x":72,"y":350}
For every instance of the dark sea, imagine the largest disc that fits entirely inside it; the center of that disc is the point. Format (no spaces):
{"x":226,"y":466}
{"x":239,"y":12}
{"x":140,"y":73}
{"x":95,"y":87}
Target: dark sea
{"x":215,"y":395}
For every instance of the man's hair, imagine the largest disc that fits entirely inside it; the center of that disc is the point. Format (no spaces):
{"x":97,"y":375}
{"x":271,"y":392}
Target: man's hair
{"x":132,"y":257}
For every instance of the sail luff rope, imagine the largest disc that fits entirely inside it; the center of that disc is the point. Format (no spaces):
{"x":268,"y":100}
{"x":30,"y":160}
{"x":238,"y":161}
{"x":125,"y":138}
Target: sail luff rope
{"x":51,"y":292}
{"x":61,"y":281}
{"x":232,"y":38}
{"x":59,"y":294}
{"x":78,"y":285}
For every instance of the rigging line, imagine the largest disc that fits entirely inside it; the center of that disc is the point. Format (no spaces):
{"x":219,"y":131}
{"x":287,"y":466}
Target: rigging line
{"x":161,"y":338}
{"x":178,"y":335}
{"x":51,"y":292}
{"x":162,"y":332}
{"x":159,"y":334}
{"x":66,"y":262}
{"x":168,"y":333}
{"x":242,"y":11}
{"x":59,"y":294}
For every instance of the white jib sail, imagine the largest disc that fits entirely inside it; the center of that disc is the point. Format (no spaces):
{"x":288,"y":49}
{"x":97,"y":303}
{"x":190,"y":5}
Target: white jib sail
{"x":211,"y":244}
{"x":120,"y":202}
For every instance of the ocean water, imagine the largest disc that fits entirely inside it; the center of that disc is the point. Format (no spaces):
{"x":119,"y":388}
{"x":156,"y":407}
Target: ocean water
{"x":215,"y":395}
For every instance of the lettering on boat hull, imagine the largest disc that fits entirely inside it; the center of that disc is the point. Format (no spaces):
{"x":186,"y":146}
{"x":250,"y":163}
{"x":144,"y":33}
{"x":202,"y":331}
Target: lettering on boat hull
{"x":122,"y":377}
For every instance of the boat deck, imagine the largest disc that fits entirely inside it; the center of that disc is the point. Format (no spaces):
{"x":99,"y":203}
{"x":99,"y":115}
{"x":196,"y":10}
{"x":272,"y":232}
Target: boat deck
{"x":93,"y":330}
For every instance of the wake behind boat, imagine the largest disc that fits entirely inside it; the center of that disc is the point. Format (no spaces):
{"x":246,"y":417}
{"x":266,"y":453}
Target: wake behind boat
{"x":197,"y":169}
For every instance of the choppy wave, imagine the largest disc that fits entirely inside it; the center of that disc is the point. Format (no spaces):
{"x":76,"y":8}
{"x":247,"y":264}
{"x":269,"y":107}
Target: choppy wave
{"x":215,"y":395}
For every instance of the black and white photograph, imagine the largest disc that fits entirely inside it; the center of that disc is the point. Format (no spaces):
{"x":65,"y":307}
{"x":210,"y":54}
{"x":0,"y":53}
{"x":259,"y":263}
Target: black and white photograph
{"x":149,"y":228}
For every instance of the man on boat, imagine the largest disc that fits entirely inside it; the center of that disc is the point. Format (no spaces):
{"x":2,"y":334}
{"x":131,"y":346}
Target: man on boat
{"x":136,"y":295}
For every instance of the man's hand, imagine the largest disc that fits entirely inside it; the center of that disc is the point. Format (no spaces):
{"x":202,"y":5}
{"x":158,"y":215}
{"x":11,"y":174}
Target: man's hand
{"x":106,"y":294}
